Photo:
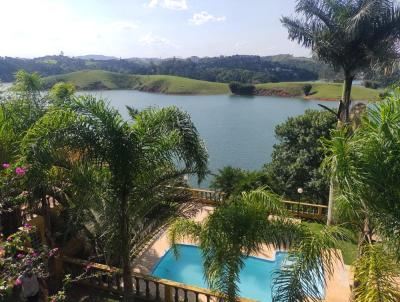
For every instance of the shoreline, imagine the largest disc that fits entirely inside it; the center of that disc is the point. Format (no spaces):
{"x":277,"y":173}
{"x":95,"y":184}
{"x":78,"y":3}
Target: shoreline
{"x":305,"y":98}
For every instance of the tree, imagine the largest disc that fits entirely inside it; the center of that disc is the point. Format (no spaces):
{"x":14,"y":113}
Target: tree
{"x":62,"y":92}
{"x":242,"y":89}
{"x":365,"y":166}
{"x":296,"y":159}
{"x":27,"y":85}
{"x":135,"y":163}
{"x":351,"y":35}
{"x":233,"y":181}
{"x":238,"y":228}
{"x":307,"y":89}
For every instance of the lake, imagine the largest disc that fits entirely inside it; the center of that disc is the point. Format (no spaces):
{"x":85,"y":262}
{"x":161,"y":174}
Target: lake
{"x":237,"y":130}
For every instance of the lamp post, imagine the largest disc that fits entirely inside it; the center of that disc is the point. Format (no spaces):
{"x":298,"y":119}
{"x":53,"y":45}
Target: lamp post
{"x":300,"y":191}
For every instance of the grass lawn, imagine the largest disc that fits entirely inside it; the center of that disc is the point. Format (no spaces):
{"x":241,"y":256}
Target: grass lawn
{"x":99,"y":79}
{"x":179,"y":85}
{"x":348,"y":248}
{"x":328,"y":91}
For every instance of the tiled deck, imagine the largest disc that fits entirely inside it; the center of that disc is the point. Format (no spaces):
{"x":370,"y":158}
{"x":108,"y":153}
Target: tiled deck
{"x":338,"y":287}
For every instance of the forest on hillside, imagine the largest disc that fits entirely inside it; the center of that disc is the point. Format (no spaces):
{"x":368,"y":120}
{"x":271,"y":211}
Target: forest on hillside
{"x":245,"y":69}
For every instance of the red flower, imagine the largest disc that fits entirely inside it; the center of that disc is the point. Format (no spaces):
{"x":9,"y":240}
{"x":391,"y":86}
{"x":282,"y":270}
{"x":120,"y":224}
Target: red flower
{"x":6,"y":165}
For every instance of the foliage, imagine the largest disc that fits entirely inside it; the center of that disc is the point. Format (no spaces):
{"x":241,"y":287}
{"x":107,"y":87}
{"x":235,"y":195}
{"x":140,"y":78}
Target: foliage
{"x":245,"y":69}
{"x":351,"y":35}
{"x":27,"y":84}
{"x":242,"y":89}
{"x":307,"y":89}
{"x":365,"y":166}
{"x":377,"y":275}
{"x":132,"y":168}
{"x":11,"y":186}
{"x":297,"y":157}
{"x":239,"y":228}
{"x":371,"y":84}
{"x":234,"y":181}
{"x":348,"y":247}
{"x":18,"y":259}
{"x":62,"y":92}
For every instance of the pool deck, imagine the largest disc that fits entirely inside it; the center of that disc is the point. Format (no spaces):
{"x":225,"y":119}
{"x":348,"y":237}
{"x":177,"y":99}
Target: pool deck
{"x":338,"y":287}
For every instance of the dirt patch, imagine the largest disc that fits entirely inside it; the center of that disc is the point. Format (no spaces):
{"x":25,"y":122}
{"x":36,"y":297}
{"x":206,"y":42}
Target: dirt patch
{"x":273,"y":92}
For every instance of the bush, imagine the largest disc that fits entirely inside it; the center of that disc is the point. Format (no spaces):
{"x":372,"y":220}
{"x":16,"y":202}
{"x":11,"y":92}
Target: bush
{"x":297,"y":156}
{"x":233,"y":181}
{"x":242,"y":89}
{"x":371,"y":84}
{"x":307,"y":89}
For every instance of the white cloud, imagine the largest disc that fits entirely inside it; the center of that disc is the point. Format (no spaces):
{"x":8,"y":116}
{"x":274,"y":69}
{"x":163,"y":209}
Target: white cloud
{"x":153,"y":40}
{"x":204,"y":17}
{"x":169,"y":4}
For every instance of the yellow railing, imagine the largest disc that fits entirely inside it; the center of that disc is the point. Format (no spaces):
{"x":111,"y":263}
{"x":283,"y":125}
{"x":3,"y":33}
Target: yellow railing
{"x":206,"y":196}
{"x":306,"y":210}
{"x":150,"y":288}
{"x":298,"y":209}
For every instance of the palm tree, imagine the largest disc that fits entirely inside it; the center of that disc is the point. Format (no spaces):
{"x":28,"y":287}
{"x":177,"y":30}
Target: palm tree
{"x":366,"y":168}
{"x":239,"y":228}
{"x":131,"y":164}
{"x":351,"y":35}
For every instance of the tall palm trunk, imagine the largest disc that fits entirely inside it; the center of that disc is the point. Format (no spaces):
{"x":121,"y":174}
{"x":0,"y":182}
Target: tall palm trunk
{"x":344,"y":118}
{"x":344,"y":109}
{"x":125,"y":252}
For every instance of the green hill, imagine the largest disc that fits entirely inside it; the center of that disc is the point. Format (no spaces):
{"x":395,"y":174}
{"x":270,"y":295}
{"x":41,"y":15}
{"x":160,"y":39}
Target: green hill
{"x":99,"y":79}
{"x":320,"y":91}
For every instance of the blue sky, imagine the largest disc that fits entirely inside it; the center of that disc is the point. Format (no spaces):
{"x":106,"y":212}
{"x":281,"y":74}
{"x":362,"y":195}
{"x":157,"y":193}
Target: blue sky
{"x":145,"y":28}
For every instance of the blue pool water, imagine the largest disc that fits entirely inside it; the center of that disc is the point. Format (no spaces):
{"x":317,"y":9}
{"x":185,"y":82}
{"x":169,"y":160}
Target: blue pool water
{"x":255,"y":278}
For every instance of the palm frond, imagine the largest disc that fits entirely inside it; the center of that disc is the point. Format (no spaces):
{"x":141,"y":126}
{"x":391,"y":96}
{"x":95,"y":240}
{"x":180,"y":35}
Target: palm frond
{"x":376,"y":275}
{"x":299,"y":31}
{"x":303,"y":275}
{"x":181,"y":229}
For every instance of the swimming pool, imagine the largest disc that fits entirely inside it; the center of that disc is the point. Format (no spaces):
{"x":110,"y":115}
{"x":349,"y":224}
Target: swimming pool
{"x":255,"y":277}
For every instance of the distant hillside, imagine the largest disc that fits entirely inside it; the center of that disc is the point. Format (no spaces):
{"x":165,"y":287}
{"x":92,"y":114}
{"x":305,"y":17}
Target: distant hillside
{"x":320,"y":91}
{"x":96,"y":57}
{"x":225,"y":69}
{"x":98,"y":79}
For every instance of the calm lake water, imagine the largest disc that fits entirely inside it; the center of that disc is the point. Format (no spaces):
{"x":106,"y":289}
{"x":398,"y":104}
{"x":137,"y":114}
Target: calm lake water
{"x":238,"y":131}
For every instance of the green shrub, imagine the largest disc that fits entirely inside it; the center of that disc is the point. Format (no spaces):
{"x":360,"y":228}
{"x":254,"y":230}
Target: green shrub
{"x":371,"y":84}
{"x":307,"y":89}
{"x":242,"y":89}
{"x":233,"y":181}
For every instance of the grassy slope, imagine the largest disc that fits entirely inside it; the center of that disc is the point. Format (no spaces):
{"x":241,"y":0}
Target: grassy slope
{"x":98,"y":79}
{"x":348,"y":248}
{"x":328,"y":91}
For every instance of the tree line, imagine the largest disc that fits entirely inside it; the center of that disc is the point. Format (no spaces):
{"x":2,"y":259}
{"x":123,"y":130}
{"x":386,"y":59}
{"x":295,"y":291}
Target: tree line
{"x":244,"y":69}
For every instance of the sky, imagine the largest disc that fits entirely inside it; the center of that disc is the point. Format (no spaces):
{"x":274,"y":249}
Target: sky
{"x":145,"y":28}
